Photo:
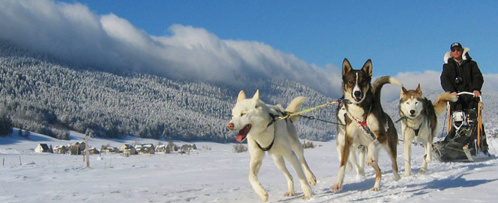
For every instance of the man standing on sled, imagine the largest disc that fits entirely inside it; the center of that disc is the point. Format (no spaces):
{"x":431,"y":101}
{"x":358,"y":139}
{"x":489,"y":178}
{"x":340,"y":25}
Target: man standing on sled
{"x":462,"y":74}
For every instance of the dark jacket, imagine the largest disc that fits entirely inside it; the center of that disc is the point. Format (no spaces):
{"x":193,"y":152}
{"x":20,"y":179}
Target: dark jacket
{"x":468,"y":71}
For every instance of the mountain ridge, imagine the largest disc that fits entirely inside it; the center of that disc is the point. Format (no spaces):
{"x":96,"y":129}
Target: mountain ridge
{"x":42,"y":94}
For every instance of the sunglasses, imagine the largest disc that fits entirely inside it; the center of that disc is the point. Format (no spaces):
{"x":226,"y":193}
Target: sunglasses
{"x":456,"y":49}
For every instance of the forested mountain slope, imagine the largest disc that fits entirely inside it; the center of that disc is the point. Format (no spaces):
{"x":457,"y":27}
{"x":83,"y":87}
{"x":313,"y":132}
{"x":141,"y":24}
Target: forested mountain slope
{"x":41,"y":94}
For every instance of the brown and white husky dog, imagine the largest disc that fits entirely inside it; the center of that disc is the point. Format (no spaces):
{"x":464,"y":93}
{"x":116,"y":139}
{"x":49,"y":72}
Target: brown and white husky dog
{"x":419,"y":122}
{"x":366,"y":122}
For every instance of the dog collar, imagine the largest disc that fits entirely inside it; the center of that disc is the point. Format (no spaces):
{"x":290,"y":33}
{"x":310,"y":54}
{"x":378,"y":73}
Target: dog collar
{"x":402,"y":118}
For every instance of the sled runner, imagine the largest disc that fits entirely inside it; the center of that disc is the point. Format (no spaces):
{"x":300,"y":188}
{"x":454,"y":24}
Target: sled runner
{"x":466,"y":139}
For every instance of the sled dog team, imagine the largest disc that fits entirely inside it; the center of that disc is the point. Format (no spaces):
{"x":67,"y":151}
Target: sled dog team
{"x":363,"y":126}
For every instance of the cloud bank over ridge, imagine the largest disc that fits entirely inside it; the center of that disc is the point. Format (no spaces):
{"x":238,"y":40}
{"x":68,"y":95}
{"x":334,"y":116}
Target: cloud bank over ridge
{"x":73,"y":32}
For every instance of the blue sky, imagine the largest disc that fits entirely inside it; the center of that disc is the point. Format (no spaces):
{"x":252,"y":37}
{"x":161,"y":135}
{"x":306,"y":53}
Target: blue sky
{"x":240,"y":43}
{"x":399,"y":36}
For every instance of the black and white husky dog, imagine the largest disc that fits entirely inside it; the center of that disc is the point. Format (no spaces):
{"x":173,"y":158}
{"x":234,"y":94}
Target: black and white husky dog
{"x":366,"y":122}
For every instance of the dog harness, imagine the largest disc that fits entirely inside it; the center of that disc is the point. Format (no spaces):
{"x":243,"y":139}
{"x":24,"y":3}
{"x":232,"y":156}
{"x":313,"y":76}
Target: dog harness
{"x":415,"y":130}
{"x":418,"y":129}
{"x":363,"y":123}
{"x":273,"y":119}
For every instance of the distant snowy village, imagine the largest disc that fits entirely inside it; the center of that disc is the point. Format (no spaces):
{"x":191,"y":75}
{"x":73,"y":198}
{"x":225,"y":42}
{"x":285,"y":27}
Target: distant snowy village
{"x":125,"y":149}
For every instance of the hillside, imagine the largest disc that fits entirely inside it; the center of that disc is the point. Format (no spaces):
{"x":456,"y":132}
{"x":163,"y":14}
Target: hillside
{"x":42,"y":94}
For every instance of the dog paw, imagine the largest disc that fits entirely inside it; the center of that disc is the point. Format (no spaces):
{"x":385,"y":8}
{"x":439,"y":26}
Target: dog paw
{"x":375,"y":189}
{"x":306,"y":197}
{"x":336,"y":188}
{"x":396,"y":177}
{"x":312,"y":180}
{"x":289,"y":194}
{"x":308,"y":193}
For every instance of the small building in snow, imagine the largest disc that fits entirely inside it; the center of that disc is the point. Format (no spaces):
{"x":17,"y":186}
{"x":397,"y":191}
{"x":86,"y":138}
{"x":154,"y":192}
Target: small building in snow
{"x":127,"y":149}
{"x":145,"y":148}
{"x":60,"y":149}
{"x":162,"y":149}
{"x":43,"y":148}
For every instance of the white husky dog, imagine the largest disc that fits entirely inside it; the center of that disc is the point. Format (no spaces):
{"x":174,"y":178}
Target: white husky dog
{"x":258,"y":122}
{"x":419,"y":122}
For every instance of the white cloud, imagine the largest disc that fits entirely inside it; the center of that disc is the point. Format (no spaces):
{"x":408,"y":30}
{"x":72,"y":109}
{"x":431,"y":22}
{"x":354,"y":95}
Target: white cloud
{"x":73,"y":32}
{"x":428,"y":80}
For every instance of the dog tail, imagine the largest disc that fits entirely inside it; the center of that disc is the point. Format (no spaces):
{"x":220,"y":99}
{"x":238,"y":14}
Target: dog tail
{"x":295,"y":106}
{"x":440,"y":103}
{"x":380,"y":82}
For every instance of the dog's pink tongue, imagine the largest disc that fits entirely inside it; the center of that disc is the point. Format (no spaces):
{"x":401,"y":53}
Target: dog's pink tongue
{"x":243,"y":133}
{"x":240,"y":138}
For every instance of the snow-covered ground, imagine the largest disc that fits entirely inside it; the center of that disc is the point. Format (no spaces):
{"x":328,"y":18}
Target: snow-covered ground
{"x":214,"y":173}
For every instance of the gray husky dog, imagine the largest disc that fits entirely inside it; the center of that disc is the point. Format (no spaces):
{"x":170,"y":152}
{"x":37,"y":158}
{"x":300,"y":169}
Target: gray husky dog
{"x":419,"y":122}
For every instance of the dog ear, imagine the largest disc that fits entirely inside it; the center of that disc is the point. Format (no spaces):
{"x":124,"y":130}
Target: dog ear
{"x":256,"y":96}
{"x":367,"y":67}
{"x":403,"y":91}
{"x":418,"y":90}
{"x":241,"y":96}
{"x":346,"y":67}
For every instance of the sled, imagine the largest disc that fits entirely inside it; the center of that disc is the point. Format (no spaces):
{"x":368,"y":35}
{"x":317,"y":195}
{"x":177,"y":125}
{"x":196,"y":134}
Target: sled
{"x":465,"y":140}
